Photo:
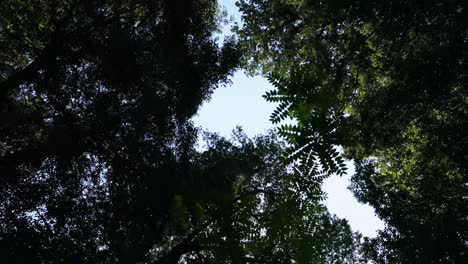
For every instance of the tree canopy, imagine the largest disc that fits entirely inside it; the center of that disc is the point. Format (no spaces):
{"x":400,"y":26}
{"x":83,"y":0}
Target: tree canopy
{"x":97,"y":151}
{"x":386,"y":81}
{"x":99,"y":160}
{"x":95,"y":101}
{"x":242,"y":205}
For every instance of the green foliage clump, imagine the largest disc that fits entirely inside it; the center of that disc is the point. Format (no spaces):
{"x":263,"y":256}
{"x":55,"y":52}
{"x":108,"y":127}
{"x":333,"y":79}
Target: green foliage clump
{"x":245,"y":206}
{"x":386,"y":81}
{"x":95,"y":102}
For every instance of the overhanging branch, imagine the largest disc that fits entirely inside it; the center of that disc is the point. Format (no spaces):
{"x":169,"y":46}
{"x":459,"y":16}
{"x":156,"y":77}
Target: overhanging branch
{"x":187,"y":243}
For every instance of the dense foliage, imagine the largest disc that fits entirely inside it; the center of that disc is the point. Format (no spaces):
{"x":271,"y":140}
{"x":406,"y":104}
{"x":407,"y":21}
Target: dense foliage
{"x":385,"y":80}
{"x":97,"y":150}
{"x":98,"y":157}
{"x":95,"y":98}
{"x":242,"y":205}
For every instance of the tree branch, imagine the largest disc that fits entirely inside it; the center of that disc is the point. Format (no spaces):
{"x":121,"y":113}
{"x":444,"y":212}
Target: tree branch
{"x":28,"y":73}
{"x":186,"y":244}
{"x":253,"y":192}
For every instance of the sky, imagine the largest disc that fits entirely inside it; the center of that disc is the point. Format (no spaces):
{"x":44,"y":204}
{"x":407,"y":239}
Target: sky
{"x":241,"y":104}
